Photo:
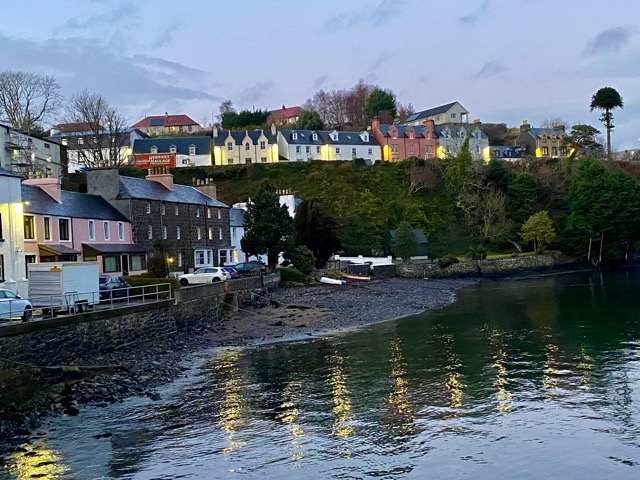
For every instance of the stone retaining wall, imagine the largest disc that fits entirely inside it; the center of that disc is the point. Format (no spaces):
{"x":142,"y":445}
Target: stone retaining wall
{"x":484,"y":268}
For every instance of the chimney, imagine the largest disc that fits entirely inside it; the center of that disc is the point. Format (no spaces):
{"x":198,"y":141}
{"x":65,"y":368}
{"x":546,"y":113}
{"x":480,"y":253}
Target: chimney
{"x":525,"y":127}
{"x":215,"y":131}
{"x":51,"y":186}
{"x":273,"y":129}
{"x":476,"y":120}
{"x":207,"y":186}
{"x":375,"y":124}
{"x":283,"y":107}
{"x":162,"y":176}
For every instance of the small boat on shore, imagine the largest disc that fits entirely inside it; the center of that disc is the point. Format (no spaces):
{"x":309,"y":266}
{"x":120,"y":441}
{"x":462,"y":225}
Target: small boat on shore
{"x":332,"y":281}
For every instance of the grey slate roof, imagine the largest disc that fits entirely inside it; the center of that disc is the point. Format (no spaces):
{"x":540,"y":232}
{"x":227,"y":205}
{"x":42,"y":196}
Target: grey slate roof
{"x":7,"y":173}
{"x":537,"y":132}
{"x":454,"y":128}
{"x":305,"y":137}
{"x":403,"y":129}
{"x":115,"y":247}
{"x":238,"y":137}
{"x":74,"y":205}
{"x":182,"y":144}
{"x":141,"y":188}
{"x":57,"y":249}
{"x":431,"y":112}
{"x":236,"y":217}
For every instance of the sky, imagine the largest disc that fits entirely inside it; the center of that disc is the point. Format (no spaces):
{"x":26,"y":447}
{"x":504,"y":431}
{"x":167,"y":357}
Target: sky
{"x":504,"y":60}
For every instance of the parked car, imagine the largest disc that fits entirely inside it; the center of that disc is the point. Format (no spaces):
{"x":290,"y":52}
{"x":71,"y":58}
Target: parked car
{"x":12,"y":306}
{"x":112,"y":286}
{"x":231,"y":271}
{"x":252,"y":267}
{"x":204,"y":275}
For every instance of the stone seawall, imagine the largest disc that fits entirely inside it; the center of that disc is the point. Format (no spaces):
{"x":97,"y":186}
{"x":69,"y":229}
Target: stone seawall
{"x":54,"y":341}
{"x":486,"y":268}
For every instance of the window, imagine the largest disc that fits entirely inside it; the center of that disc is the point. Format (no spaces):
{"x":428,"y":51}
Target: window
{"x":192,"y":149}
{"x":172,"y":149}
{"x":111,"y":263}
{"x":394,"y":148}
{"x":177,"y":233}
{"x":263,"y":159}
{"x":198,"y":233}
{"x":318,"y":150}
{"x":307,"y":149}
{"x":137,"y":262}
{"x":247,"y":160}
{"x":64,"y":224}
{"x":219,"y":213}
{"x":411,"y":150}
{"x":394,"y":134}
{"x":154,"y":149}
{"x":429,"y":149}
{"x":162,"y":209}
{"x":354,"y":152}
{"x":370,"y":151}
{"x":210,"y":233}
{"x":263,"y":145}
{"x":314,"y":136}
{"x":121,"y":231}
{"x":294,"y":136}
{"x":298,"y":149}
{"x":412,"y":135}
{"x":179,"y":259}
{"x":453,"y":115}
{"x":198,"y":212}
{"x":81,"y":141}
{"x":337,"y":150}
{"x":554,"y":151}
{"x":164,"y":232}
{"x":177,"y":209}
{"x":463,"y":133}
{"x":46,"y":145}
{"x":150,"y":232}
{"x":230,"y":146}
{"x":427,"y":135}
{"x":92,"y":230}
{"x":65,"y":141}
{"x":47,"y":228}
{"x":1,"y":237}
{"x":148,"y":207}
{"x":545,"y":151}
{"x":563,"y":150}
{"x":209,"y":210}
{"x":203,"y":258}
{"x":219,"y":233}
{"x":29,"y":227}
{"x":247,"y":147}
{"x":478,"y":149}
{"x":190,"y":128}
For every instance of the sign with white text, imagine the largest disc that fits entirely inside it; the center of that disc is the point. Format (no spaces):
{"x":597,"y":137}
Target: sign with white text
{"x":149,"y":160}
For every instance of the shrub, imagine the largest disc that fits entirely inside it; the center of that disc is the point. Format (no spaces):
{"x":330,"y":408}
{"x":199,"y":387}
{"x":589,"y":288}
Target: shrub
{"x":140,"y":280}
{"x":302,"y":258}
{"x":291,"y":274}
{"x":447,"y":260}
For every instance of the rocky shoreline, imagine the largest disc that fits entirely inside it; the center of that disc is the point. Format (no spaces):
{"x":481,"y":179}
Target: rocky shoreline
{"x":287,"y":314}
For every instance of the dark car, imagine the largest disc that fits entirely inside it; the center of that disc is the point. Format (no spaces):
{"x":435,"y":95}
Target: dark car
{"x":112,"y":286}
{"x":231,"y":271}
{"x":250,"y":268}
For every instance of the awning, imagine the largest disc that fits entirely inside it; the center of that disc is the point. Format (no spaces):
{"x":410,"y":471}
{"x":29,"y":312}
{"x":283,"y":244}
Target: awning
{"x":46,"y":250}
{"x":112,"y":248}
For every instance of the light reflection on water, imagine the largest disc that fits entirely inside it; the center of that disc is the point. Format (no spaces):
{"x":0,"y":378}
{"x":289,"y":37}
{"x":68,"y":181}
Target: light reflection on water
{"x":529,"y":379}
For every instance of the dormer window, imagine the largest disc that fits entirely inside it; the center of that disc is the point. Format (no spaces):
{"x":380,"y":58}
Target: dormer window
{"x":412,"y":135}
{"x":334,"y":136}
{"x":154,"y":149}
{"x":192,"y":149}
{"x":463,"y":133}
{"x":364,"y":137}
{"x":230,"y":146}
{"x":294,"y":136}
{"x":394,"y":134}
{"x":172,"y":149}
{"x":247,"y":146}
{"x":314,"y":136}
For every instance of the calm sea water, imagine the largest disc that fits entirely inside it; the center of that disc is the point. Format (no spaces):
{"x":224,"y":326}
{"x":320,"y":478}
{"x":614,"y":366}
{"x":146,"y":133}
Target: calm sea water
{"x":527,"y":379}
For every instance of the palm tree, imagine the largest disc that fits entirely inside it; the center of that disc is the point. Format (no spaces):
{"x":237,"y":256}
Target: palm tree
{"x":606,"y":99}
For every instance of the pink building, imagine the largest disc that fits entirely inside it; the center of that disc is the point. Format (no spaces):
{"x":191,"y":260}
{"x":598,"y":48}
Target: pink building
{"x":403,"y":141}
{"x":70,"y":226}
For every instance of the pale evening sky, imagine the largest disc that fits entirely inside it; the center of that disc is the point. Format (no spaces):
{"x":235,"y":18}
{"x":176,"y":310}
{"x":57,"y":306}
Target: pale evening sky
{"x":504,"y":60}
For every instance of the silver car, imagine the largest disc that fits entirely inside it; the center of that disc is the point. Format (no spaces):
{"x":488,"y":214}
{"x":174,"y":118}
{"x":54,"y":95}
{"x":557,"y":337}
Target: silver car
{"x":12,"y":306}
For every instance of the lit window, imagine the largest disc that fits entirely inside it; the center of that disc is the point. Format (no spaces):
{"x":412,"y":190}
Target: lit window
{"x":177,"y":210}
{"x":219,"y":213}
{"x":199,"y":233}
{"x":65,"y":141}
{"x":210,"y":233}
{"x":209,"y":209}
{"x":198,"y":212}
{"x":220,"y":233}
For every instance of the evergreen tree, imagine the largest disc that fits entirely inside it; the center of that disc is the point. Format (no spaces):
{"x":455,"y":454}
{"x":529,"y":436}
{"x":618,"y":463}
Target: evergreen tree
{"x":606,"y":99}
{"x":405,"y":244}
{"x":382,"y":103}
{"x":268,"y":226}
{"x":318,"y":230}
{"x":309,"y":120}
{"x":458,"y":172}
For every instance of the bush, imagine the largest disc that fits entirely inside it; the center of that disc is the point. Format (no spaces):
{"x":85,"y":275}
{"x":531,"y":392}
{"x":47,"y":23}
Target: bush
{"x":291,"y":274}
{"x":302,"y":258}
{"x":140,"y":280}
{"x":447,"y":260}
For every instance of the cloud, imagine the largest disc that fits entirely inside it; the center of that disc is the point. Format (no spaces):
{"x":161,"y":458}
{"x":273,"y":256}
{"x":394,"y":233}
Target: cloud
{"x":380,"y":14}
{"x":472,"y":18}
{"x":490,"y":69}
{"x":611,"y":40}
{"x":320,"y":81}
{"x":251,"y":95}
{"x":122,"y":14}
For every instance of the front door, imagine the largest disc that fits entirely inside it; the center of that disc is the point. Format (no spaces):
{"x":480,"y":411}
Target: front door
{"x":125,"y":264}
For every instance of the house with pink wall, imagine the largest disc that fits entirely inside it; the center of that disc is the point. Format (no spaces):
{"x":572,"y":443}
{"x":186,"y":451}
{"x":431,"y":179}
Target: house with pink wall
{"x":399,"y":142}
{"x":70,"y":226}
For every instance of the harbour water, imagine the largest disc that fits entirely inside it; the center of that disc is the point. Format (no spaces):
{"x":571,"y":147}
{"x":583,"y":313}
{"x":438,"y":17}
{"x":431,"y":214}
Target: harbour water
{"x":528,"y":379}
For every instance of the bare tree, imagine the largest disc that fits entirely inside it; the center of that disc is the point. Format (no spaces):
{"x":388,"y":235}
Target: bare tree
{"x":226,"y":106}
{"x":423,"y":175}
{"x":484,"y":209}
{"x":27,"y":99}
{"x":404,"y":112}
{"x":105,"y":138}
{"x":356,"y":105}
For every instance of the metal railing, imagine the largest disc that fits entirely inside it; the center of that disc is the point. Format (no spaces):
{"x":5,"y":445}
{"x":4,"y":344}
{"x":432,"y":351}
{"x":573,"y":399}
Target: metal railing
{"x":74,"y":302}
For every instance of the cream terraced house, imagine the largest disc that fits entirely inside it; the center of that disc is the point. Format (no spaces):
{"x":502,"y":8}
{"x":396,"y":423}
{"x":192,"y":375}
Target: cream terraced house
{"x":242,"y":147}
{"x":304,"y":145}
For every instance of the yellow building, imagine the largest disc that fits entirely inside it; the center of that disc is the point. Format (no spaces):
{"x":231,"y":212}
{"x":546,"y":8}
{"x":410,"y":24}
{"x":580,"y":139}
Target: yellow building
{"x":543,"y":142}
{"x":235,"y":148}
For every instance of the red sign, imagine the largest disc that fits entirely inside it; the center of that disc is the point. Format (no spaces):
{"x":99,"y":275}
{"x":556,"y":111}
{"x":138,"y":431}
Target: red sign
{"x":148,"y":160}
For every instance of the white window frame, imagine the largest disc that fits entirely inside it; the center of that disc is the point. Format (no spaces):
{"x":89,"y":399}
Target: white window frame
{"x":314,"y":136}
{"x":177,"y":210}
{"x":150,"y":232}
{"x":192,"y":149}
{"x":294,"y":136}
{"x":106,"y":230}
{"x":91,"y":227}
{"x":153,"y":149}
{"x":165,"y":233}
{"x":44,"y":229}
{"x":148,"y":207}
{"x":173,"y":149}
{"x":121,"y":231}
{"x":178,"y":232}
{"x":163,"y":209}
{"x":207,"y":255}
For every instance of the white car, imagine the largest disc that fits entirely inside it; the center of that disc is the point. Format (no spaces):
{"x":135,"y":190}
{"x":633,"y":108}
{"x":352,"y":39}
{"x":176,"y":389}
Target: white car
{"x":12,"y":306}
{"x":204,"y":275}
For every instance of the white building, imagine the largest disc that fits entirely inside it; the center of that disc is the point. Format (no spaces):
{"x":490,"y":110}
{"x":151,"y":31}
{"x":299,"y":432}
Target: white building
{"x":12,"y":260}
{"x":452,"y":112}
{"x":23,"y":154}
{"x":304,"y":145}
